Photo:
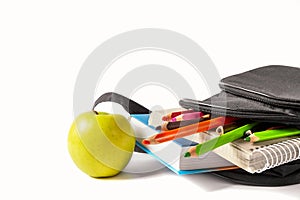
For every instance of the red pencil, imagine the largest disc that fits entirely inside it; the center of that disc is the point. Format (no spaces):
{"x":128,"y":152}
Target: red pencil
{"x":188,"y":130}
{"x":175,"y":114}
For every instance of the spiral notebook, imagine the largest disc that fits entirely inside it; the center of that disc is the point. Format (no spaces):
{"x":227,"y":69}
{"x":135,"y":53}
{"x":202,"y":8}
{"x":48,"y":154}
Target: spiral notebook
{"x":258,"y":157}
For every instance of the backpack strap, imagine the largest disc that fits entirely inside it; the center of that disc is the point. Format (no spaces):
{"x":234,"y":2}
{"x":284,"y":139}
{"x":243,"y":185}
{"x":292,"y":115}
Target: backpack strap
{"x":129,"y":105}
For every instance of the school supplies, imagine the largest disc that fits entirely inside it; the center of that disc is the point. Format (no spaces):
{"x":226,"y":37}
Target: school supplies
{"x":272,"y":134}
{"x":174,"y":125}
{"x":189,"y":116}
{"x":229,"y":127}
{"x":191,"y":152}
{"x":171,"y":153}
{"x":287,"y":172}
{"x":166,"y":136}
{"x":258,"y":157}
{"x":221,"y":140}
{"x":261,"y":127}
{"x":171,"y":115}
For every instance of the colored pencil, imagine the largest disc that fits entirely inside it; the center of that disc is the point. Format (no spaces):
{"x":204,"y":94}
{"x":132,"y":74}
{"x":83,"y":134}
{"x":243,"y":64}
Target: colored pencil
{"x":223,"y":139}
{"x":260,"y":127}
{"x":229,"y":127}
{"x":166,"y":136}
{"x":169,"y":116}
{"x":276,"y":127}
{"x":272,"y":134}
{"x":173,"y":125}
{"x":191,"y":152}
{"x":189,"y":116}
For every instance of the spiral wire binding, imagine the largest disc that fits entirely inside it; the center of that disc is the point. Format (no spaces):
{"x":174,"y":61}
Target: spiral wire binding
{"x":290,"y":149}
{"x":281,"y":155}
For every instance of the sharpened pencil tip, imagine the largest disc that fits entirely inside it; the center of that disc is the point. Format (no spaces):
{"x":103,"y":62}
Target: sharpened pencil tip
{"x":173,"y":119}
{"x":146,"y":142}
{"x":187,"y":154}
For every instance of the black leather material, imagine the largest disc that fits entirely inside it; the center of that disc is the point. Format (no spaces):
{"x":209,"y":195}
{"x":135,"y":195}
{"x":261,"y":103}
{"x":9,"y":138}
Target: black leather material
{"x":129,"y":105}
{"x":274,"y":84}
{"x":227,"y":104}
{"x":270,"y":93}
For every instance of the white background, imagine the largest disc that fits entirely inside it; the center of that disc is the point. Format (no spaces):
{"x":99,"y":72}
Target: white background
{"x":42,"y":48}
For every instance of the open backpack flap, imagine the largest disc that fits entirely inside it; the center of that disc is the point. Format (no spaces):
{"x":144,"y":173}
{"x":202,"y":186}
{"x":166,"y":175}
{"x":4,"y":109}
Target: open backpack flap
{"x":274,"y":85}
{"x":285,"y":174}
{"x":227,"y":104}
{"x":270,"y":94}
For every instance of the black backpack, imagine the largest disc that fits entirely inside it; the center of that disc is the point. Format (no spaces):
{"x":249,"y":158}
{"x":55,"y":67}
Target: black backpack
{"x":286,"y":174}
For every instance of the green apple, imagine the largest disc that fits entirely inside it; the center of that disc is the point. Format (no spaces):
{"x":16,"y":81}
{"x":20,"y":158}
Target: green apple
{"x":101,"y":144}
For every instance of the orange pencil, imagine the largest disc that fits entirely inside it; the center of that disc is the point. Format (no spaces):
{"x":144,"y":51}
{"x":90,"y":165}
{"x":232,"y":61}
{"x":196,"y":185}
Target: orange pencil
{"x":188,"y":130}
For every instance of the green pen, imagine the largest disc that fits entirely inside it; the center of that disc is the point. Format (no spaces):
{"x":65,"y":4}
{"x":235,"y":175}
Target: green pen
{"x":272,"y":134}
{"x":221,"y":140}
